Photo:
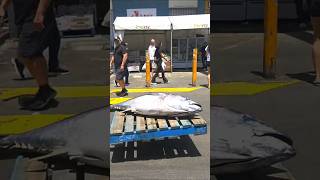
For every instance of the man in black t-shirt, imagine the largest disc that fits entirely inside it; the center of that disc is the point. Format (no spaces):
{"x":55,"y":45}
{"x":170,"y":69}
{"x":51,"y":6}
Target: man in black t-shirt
{"x":34,"y":20}
{"x":119,"y":59}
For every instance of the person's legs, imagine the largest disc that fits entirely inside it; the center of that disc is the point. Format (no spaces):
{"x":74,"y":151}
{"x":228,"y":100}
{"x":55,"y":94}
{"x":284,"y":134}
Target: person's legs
{"x":54,"y":47}
{"x":31,"y":45}
{"x":122,"y":85}
{"x":165,"y":80}
{"x":209,"y":75}
{"x":119,"y":78}
{"x":316,"y":47}
{"x":37,"y":67}
{"x":18,"y":66}
{"x":204,"y":62}
{"x":155,"y":74}
{"x":126,"y":75}
{"x":299,"y":10}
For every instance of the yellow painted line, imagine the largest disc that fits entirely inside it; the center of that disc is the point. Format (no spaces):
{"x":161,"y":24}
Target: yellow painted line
{"x":245,"y":88}
{"x":118,"y":100}
{"x":16,"y":124}
{"x":85,"y":91}
{"x":63,"y":92}
{"x":165,"y":90}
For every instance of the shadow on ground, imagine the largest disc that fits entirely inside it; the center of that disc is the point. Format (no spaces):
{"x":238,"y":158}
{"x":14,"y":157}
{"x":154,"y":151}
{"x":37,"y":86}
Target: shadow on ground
{"x":303,"y":36}
{"x":269,"y":173}
{"x":304,"y":76}
{"x":159,"y":149}
{"x":23,"y":99}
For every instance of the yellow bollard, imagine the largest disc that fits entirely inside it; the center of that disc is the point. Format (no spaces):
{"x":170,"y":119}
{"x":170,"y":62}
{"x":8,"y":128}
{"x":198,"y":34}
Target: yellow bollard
{"x":148,"y":77}
{"x":270,"y":38}
{"x":194,"y":66}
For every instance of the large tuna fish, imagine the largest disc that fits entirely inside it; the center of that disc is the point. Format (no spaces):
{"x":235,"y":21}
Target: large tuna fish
{"x":160,"y":104}
{"x":240,"y":143}
{"x":82,"y":138}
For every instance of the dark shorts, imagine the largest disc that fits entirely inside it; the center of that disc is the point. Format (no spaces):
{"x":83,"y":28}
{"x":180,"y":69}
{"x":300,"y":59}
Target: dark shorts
{"x":32,"y":43}
{"x":120,"y":74}
{"x":315,"y":9}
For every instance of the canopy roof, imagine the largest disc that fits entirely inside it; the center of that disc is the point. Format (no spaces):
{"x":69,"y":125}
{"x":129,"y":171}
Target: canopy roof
{"x":200,"y":21}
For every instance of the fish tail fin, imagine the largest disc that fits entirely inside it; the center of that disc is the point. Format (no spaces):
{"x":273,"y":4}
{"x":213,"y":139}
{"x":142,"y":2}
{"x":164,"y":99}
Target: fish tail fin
{"x":5,"y":143}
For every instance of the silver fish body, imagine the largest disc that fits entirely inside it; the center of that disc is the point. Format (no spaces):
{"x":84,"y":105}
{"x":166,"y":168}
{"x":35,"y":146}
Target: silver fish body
{"x":82,"y":138}
{"x":240,"y":143}
{"x":160,"y":104}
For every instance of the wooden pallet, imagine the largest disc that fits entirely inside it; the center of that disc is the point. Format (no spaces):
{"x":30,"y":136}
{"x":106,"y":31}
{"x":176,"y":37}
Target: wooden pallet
{"x":128,"y":128}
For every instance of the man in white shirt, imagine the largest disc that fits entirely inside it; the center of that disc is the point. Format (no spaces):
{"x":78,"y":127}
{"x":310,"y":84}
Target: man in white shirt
{"x":151,"y":51}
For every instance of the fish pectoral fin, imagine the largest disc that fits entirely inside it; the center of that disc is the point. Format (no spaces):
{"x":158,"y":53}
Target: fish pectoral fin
{"x":50,"y":155}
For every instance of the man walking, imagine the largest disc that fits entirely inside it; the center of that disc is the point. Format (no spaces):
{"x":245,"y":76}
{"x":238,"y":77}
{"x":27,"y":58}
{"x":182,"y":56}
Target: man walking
{"x":119,"y":60}
{"x":34,"y":20}
{"x":151,"y":51}
{"x":54,"y":47}
{"x":158,"y":61}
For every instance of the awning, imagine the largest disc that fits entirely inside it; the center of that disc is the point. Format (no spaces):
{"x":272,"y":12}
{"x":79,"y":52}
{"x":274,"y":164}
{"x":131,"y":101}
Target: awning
{"x":190,"y":21}
{"x":142,"y":23}
{"x":201,"y":21}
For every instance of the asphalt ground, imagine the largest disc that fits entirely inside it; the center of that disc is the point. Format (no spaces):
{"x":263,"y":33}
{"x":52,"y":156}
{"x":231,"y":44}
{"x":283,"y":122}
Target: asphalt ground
{"x":86,"y":60}
{"x":291,"y":109}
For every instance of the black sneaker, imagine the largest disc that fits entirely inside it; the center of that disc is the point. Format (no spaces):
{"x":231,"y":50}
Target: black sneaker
{"x":59,"y":71}
{"x":42,"y":98}
{"x":165,"y":80}
{"x":19,"y":67}
{"x":122,"y":93}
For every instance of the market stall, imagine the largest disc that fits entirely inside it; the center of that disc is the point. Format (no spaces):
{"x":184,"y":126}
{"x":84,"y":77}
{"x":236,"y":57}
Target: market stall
{"x":165,"y":23}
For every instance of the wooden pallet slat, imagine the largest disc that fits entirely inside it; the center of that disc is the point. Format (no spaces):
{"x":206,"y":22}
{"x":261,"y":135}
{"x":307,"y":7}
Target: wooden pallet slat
{"x":151,"y":124}
{"x":198,"y":121}
{"x":201,"y":120}
{"x":185,"y":123}
{"x":174,"y":124}
{"x":162,"y":124}
{"x":129,"y":124}
{"x":118,"y":128}
{"x":141,"y":124}
{"x":129,"y":128}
